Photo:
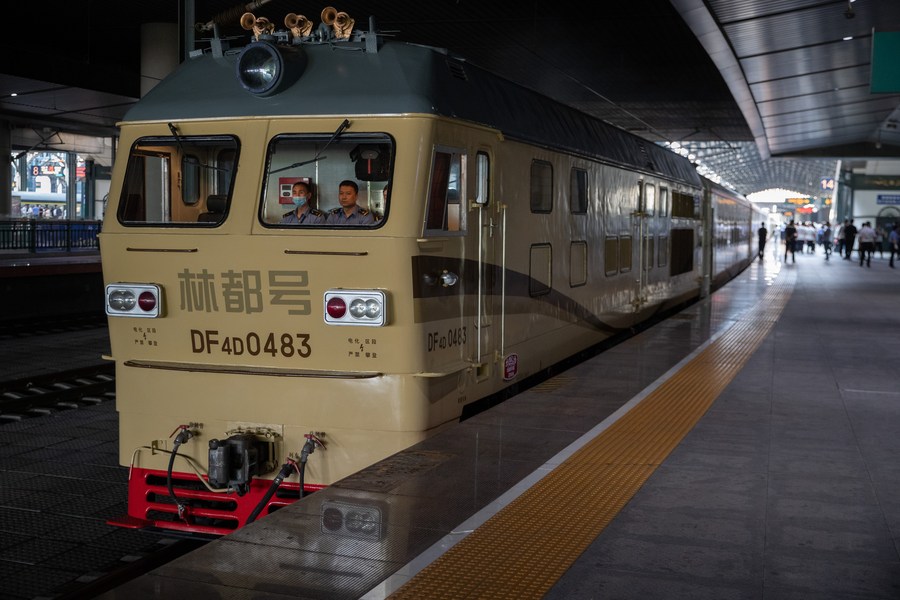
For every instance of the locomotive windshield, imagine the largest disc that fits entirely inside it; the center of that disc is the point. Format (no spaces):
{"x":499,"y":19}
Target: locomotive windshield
{"x":178,"y":180}
{"x":326,"y":180}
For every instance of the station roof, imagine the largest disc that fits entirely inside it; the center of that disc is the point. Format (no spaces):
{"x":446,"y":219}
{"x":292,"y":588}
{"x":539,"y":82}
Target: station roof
{"x":766,"y":93}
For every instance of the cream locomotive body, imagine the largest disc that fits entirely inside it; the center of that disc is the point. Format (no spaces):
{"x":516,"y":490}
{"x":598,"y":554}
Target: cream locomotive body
{"x":256,"y":357}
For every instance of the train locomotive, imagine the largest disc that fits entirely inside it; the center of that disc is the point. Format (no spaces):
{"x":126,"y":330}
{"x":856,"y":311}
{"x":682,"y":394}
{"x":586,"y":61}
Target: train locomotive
{"x":259,"y":359}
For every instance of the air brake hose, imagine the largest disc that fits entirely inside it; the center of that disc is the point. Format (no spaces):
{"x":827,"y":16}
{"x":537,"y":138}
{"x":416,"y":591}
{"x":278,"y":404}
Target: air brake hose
{"x":286,"y":469}
{"x":308,"y":448}
{"x":183,"y":436}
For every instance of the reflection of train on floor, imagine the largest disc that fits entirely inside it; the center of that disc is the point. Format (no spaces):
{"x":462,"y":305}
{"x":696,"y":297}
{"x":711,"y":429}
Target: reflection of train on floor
{"x":515,"y":232}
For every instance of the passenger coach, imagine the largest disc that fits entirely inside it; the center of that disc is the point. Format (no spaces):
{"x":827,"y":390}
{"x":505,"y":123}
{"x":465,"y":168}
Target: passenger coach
{"x":255,"y":359}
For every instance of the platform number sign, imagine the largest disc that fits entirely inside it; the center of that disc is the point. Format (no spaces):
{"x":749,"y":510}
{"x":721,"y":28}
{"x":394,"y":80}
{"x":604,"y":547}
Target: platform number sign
{"x":828,"y":184}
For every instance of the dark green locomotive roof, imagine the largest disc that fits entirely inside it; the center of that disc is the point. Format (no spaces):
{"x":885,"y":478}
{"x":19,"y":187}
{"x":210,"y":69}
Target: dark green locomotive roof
{"x":344,"y":79}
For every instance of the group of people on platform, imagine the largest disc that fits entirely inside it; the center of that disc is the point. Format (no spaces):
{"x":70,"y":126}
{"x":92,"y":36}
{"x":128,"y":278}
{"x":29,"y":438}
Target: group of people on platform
{"x":42,"y":211}
{"x":804,"y":237}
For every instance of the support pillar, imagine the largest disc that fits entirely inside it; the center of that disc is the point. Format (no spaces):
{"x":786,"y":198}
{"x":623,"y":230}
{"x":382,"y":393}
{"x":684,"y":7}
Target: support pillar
{"x":6,"y":172}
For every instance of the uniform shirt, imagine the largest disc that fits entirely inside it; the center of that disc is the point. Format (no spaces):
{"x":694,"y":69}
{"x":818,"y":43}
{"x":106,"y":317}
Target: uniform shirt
{"x":310,"y":217}
{"x":866,"y":235}
{"x":359,"y":216}
{"x":894,"y":238}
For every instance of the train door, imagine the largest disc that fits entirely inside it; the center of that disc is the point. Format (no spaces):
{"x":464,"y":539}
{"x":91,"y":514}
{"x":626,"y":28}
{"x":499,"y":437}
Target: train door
{"x":648,"y":240}
{"x":707,"y":236}
{"x":491,"y":266}
{"x":639,"y":233}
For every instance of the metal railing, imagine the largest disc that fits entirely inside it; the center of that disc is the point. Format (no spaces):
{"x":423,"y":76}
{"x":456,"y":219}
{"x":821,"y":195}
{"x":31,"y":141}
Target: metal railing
{"x":35,"y":235}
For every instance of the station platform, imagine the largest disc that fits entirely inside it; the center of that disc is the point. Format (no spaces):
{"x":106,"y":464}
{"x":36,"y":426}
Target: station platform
{"x":38,"y":288}
{"x":744,"y":448}
{"x":17,"y":263}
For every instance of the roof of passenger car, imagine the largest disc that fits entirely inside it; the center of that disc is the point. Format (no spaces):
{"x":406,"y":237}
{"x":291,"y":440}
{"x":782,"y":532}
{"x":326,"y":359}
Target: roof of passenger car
{"x":345,"y":79}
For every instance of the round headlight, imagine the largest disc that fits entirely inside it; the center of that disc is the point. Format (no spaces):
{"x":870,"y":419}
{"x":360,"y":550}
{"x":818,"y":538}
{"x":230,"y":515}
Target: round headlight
{"x":358,"y":308}
{"x":264,"y":69}
{"x":259,"y":67}
{"x":373,"y":308}
{"x":122,"y":300}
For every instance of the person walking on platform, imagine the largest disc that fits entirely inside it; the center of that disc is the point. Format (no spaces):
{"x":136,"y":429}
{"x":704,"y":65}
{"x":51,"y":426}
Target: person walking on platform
{"x":809,"y":237}
{"x":849,"y":238}
{"x":827,"y":234}
{"x":763,"y":234}
{"x":866,"y":244}
{"x":894,"y":242}
{"x":840,"y":238}
{"x":790,"y":241}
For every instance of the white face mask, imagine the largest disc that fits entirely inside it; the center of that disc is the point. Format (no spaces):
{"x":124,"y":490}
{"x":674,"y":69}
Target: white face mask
{"x":299,"y":200}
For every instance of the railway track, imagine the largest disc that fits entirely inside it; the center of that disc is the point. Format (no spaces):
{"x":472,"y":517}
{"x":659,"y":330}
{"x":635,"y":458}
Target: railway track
{"x":22,"y":328}
{"x":127,"y":568}
{"x":45,"y":394}
{"x":80,"y":569}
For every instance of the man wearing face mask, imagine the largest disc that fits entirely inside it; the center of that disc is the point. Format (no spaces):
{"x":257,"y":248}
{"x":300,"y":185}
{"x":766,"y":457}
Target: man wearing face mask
{"x":303,"y":213}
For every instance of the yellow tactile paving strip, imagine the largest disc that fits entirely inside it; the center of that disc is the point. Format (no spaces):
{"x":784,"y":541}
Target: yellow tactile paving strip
{"x":525,"y":548}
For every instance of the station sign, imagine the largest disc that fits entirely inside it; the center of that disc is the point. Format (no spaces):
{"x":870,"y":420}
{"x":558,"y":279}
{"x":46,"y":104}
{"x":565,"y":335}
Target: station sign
{"x":892,"y":199}
{"x":828,"y":184}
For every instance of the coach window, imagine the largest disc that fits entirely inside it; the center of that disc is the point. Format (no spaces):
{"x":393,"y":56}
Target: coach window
{"x":611,"y":255}
{"x":624,"y":253}
{"x":322,"y":161}
{"x":168,"y":179}
{"x":578,"y":191}
{"x":444,"y":214}
{"x":649,"y":252}
{"x":683,"y":205}
{"x":540,"y":270}
{"x":682,"y":254}
{"x":541,"y":186}
{"x":650,"y":199}
{"x":663,"y":202}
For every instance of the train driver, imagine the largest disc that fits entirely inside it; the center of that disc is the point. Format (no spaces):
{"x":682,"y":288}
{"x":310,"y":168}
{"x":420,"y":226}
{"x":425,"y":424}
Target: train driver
{"x":303,"y":213}
{"x":349,"y":213}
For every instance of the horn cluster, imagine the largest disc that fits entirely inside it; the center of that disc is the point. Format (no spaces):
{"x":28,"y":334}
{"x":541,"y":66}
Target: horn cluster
{"x":341,"y":23}
{"x":335,"y":23}
{"x":260,"y":26}
{"x":298,"y":25}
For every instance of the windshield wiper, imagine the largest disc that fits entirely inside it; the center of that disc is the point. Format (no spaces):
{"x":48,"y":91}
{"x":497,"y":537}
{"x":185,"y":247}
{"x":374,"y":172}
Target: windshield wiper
{"x":190,"y":158}
{"x":341,"y":128}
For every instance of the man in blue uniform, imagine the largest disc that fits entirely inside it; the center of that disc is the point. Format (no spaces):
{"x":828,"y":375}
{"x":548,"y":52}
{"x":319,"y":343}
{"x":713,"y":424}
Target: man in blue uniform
{"x":349,"y":213}
{"x":303,"y":213}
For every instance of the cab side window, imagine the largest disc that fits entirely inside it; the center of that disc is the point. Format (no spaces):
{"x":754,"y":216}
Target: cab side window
{"x":169,"y":180}
{"x":445,"y":212}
